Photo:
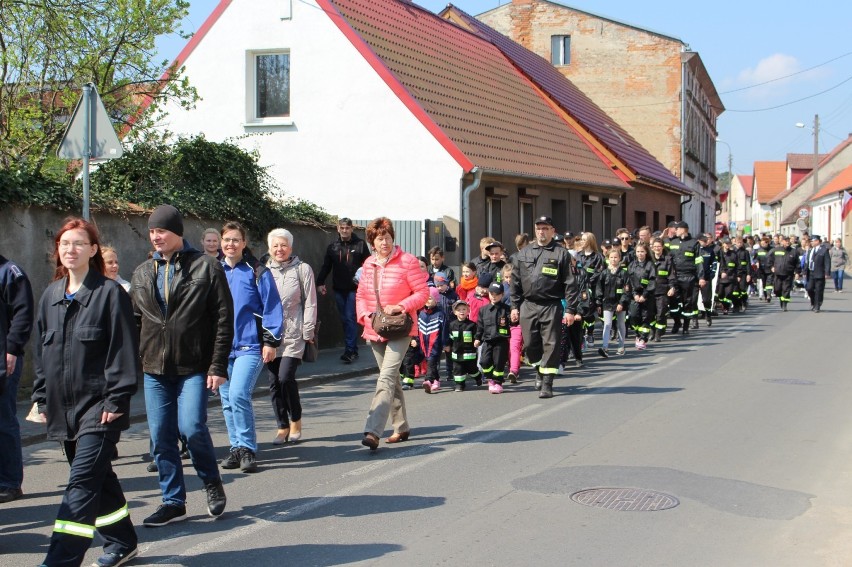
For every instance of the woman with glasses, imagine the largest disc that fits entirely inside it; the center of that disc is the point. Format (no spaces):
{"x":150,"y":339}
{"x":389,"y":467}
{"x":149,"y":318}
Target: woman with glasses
{"x":87,"y":367}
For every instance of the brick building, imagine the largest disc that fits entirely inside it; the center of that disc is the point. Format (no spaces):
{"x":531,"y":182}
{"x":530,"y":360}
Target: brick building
{"x":649,"y":83}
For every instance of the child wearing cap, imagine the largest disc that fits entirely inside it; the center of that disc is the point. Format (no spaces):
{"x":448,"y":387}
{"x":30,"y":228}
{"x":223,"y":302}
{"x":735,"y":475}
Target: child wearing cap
{"x":492,"y":333}
{"x":494,"y":268}
{"x":461,"y":332}
{"x":430,"y":331}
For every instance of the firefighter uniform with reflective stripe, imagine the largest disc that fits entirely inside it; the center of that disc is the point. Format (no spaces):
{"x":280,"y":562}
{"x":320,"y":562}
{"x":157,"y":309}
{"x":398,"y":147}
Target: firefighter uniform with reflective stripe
{"x":710,"y":259}
{"x":541,"y":278}
{"x":743,"y":277}
{"x":666,"y":279}
{"x":727,"y":278}
{"x":492,"y":331}
{"x":641,"y":280}
{"x":784,"y":263}
{"x":461,"y":335}
{"x":764,"y":271}
{"x":689,"y":266}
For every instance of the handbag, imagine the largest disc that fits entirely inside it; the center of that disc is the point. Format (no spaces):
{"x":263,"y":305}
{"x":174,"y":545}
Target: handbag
{"x":389,"y":326}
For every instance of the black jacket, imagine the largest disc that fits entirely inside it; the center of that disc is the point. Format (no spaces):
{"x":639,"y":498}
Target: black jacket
{"x":342,"y":260}
{"x":666,"y":273}
{"x":641,"y":279}
{"x":784,"y":261}
{"x":87,"y":359}
{"x":819,"y":265}
{"x":610,"y":289}
{"x":461,"y":335}
{"x":543,"y":274}
{"x":16,"y":313}
{"x":195,"y":335}
{"x":763,"y":256}
{"x":728,"y":269}
{"x":492,"y":323}
{"x":686,"y":254}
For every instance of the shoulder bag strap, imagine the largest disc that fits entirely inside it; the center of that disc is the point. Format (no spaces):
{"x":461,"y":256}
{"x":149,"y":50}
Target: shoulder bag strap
{"x":376,"y":289}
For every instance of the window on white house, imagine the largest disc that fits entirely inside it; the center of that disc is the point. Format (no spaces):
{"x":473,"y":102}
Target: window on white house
{"x":271,"y":86}
{"x":560,"y":49}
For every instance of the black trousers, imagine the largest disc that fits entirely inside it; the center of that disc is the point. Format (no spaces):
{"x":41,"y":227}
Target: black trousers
{"x":816,"y":291}
{"x":541,"y":325}
{"x":284,"y":390}
{"x":686,"y":298}
{"x":93,"y":501}
{"x":783,"y":286}
{"x":661,"y":303}
{"x":493,"y":359}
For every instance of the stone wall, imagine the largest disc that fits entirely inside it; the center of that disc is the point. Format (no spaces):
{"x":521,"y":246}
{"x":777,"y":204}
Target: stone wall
{"x":30,"y":232}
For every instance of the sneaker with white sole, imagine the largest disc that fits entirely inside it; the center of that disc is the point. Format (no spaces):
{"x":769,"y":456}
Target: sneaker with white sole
{"x":115,"y":559}
{"x":513,"y":377}
{"x":620,"y":351}
{"x":497,"y":388}
{"x":436,"y":385}
{"x":216,"y":499}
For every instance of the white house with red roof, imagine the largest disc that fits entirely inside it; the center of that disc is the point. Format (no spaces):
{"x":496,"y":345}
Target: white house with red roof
{"x":384,"y":108}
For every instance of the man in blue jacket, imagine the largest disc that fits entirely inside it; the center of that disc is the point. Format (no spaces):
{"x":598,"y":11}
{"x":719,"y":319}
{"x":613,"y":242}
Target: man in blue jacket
{"x":16,"y":323}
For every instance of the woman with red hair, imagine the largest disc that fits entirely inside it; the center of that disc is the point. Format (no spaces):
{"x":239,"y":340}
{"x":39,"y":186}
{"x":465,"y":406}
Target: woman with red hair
{"x":87,"y":367}
{"x":394,"y":279}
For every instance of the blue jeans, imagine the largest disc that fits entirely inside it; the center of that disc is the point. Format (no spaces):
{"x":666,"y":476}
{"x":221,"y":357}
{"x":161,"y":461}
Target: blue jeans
{"x":346,"y":308}
{"x":837,"y":275}
{"x":236,"y":400}
{"x":11,"y":461}
{"x":177,"y":405}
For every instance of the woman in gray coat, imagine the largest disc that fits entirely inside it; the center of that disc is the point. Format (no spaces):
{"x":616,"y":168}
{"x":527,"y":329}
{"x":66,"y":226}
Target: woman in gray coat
{"x":839,"y":259}
{"x":295,"y":282}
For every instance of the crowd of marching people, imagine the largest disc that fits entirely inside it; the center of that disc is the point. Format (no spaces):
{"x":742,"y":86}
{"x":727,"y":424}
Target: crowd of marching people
{"x":548,"y":303}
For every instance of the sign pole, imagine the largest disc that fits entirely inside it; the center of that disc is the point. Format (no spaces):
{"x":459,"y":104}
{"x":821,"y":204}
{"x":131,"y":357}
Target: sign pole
{"x":87,"y":146}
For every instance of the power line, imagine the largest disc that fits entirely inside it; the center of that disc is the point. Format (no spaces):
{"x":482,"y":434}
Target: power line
{"x":788,"y":76}
{"x":841,"y":83}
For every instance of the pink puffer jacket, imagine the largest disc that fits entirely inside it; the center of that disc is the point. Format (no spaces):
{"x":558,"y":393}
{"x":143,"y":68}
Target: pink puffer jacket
{"x":401,"y":282}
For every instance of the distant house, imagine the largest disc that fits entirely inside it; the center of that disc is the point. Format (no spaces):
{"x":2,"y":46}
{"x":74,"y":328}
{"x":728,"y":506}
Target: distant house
{"x":652,"y":84}
{"x":789,"y":204}
{"x":737,"y":204}
{"x":769,"y":180}
{"x":826,"y":207}
{"x":384,"y":108}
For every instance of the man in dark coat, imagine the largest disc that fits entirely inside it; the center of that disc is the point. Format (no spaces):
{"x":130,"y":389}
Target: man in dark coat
{"x":817,"y":266}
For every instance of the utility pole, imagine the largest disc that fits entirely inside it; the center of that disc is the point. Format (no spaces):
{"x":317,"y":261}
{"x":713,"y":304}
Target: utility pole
{"x":816,"y":153}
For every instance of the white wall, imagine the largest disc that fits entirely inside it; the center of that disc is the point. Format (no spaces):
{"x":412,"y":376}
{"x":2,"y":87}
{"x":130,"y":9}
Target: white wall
{"x":826,"y":219}
{"x":352,"y":148}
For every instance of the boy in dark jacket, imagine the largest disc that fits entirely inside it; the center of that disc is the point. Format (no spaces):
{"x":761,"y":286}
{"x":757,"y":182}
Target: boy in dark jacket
{"x":492,"y":332}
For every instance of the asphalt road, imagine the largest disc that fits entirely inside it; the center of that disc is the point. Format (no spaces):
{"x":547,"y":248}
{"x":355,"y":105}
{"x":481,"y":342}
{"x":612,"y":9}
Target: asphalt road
{"x":740,"y":431}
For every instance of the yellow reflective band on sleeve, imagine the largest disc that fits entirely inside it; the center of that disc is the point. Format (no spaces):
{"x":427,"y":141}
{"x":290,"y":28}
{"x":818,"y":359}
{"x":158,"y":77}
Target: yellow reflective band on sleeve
{"x":619,"y":290}
{"x":644,"y":281}
{"x":688,"y":254}
{"x":699,"y":260}
{"x":469,"y":356}
{"x":663,"y":273}
{"x":590,"y":270}
{"x":72,"y":528}
{"x":119,"y":514}
{"x":731,"y":264}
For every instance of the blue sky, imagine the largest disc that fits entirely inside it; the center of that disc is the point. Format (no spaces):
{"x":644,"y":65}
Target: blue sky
{"x":795,"y":52}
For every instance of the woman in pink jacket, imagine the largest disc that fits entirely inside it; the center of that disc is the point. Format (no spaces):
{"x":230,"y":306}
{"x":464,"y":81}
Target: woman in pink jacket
{"x":401,"y":287}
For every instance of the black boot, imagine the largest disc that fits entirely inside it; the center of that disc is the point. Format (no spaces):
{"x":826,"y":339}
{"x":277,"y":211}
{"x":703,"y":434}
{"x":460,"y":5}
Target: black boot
{"x":676,"y":326}
{"x":537,"y":380}
{"x":686,"y":327}
{"x":709,"y":319}
{"x":546,"y":387}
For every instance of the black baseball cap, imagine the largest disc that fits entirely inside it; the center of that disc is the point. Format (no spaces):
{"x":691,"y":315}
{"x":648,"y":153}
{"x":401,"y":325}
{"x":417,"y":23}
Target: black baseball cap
{"x":544,"y":220}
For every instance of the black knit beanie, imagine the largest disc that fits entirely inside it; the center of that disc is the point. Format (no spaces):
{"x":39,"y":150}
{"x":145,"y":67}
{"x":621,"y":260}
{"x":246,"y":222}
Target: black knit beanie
{"x":167,"y":217}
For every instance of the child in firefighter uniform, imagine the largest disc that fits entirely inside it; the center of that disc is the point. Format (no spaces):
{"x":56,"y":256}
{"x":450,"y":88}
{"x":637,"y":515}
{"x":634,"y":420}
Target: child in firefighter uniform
{"x":641,"y":278}
{"x":461,"y":333}
{"x":784,"y":262}
{"x":492,"y":332}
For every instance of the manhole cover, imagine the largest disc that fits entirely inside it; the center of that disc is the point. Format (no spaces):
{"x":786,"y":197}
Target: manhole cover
{"x":625,"y":499}
{"x":795,"y":381}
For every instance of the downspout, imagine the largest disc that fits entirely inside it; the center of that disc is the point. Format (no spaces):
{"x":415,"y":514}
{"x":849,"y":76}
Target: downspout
{"x":686,"y":201}
{"x":474,"y":185}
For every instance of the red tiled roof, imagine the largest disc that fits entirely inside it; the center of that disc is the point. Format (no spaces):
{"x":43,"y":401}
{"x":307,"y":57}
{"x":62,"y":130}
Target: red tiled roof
{"x":463,"y":87}
{"x":579,"y":106}
{"x":841,"y":182}
{"x":770,"y":178}
{"x":802,"y":161}
{"x":747,"y":181}
{"x":809,"y":177}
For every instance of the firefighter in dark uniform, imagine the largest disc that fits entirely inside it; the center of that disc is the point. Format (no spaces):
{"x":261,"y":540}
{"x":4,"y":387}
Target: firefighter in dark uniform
{"x":541,"y":279}
{"x":743,"y":275}
{"x":727,"y":276}
{"x":784,"y":262}
{"x":664,"y":286}
{"x":689,"y":265}
{"x":492,"y":333}
{"x":764,"y":268}
{"x":710,"y":259}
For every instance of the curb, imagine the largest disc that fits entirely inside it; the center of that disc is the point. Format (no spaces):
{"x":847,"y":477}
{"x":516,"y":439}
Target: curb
{"x":259,"y":392}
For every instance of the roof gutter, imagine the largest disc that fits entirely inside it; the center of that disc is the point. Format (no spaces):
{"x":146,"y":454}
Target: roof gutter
{"x":683,"y":93}
{"x":474,"y":185}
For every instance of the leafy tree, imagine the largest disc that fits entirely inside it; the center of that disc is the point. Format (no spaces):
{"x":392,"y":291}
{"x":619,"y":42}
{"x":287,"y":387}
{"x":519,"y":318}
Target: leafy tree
{"x":723,"y":181}
{"x":50,"y":48}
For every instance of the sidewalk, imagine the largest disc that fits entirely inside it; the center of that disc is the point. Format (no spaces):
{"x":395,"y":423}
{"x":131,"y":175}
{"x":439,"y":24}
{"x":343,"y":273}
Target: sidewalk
{"x":327,"y":368}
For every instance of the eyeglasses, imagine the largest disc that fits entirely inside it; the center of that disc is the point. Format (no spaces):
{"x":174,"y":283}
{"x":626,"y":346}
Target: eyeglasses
{"x":65,"y":245}
{"x":231,"y":240}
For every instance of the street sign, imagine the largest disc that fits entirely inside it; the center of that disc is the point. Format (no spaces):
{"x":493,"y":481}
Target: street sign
{"x":804,"y":213}
{"x":102,"y":140}
{"x":732,"y":225}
